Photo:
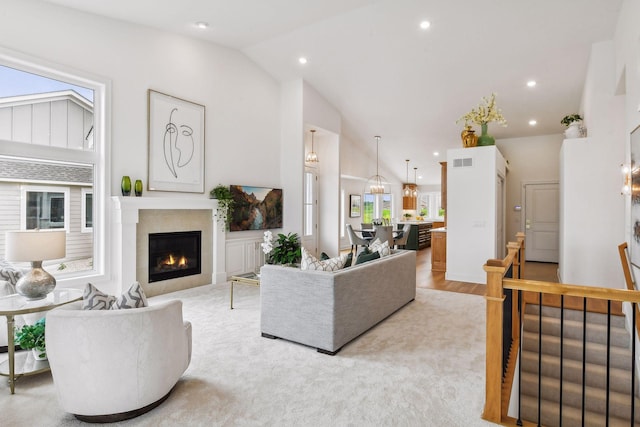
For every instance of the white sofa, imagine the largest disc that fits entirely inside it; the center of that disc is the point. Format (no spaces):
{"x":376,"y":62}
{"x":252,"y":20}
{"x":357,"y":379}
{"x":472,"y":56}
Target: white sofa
{"x":325,"y":309}
{"x":111,"y":365}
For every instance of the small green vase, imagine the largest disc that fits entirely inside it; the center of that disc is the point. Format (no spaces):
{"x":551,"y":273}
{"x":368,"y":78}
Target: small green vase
{"x":138,"y":188}
{"x":126,"y":185}
{"x":484,"y":138}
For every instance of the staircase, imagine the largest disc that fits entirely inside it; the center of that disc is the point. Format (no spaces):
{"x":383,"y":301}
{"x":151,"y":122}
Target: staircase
{"x":595,"y":370}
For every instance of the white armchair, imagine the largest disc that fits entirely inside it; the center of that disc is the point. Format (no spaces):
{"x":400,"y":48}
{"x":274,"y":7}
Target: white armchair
{"x":112,"y":365}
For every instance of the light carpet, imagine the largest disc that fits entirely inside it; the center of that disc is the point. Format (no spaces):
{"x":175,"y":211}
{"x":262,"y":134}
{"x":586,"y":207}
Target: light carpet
{"x":423,"y":366}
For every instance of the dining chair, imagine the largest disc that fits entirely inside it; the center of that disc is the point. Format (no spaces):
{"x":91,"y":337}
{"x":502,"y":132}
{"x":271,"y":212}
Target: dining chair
{"x":402,"y":237}
{"x":367,"y":226}
{"x":354,"y":239}
{"x":384,"y":233}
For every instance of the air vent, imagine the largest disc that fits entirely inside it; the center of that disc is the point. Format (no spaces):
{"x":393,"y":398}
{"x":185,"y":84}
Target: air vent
{"x":463,"y":163}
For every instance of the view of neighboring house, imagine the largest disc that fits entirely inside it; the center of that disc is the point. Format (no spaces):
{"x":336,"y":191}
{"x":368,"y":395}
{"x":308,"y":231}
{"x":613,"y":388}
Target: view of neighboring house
{"x":48,"y":194}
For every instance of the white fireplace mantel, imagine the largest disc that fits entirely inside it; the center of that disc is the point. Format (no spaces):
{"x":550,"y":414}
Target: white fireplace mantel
{"x":125,"y":218}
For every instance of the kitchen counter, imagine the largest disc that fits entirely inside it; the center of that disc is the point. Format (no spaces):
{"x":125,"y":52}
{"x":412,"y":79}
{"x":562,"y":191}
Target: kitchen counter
{"x":439,"y":230}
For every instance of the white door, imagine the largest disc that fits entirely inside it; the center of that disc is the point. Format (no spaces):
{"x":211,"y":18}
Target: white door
{"x":309,"y":238}
{"x":542,"y":213}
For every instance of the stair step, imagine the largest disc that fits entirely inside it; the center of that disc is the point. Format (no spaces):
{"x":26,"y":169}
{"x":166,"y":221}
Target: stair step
{"x":619,"y":403}
{"x":574,"y":329}
{"x":554,"y":312}
{"x":596,"y":352}
{"x":550,"y":414}
{"x":596,"y":375}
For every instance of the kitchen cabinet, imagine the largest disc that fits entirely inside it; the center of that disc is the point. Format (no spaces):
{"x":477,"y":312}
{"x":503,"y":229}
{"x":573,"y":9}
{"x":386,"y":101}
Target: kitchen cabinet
{"x":439,"y":250}
{"x":410,"y":202}
{"x":419,"y":236}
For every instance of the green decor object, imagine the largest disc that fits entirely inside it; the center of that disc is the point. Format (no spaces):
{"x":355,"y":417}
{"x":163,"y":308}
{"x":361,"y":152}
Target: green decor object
{"x":125,"y":185}
{"x":484,"y":138}
{"x":567,"y":120}
{"x":285,"y":250}
{"x":225,"y":203}
{"x":138,"y":188}
{"x":31,"y":337}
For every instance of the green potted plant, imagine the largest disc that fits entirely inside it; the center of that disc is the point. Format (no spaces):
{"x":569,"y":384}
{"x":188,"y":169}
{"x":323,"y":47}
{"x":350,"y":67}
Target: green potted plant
{"x":31,"y":337}
{"x":225,"y":203}
{"x":573,"y":122}
{"x":285,"y":250}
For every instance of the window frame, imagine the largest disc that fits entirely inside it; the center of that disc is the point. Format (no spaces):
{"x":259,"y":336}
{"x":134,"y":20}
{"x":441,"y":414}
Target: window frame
{"x":99,"y":157}
{"x":83,"y":209}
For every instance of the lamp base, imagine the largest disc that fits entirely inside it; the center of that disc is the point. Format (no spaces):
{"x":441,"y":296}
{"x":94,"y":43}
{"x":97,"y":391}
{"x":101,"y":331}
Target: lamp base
{"x":37,"y":283}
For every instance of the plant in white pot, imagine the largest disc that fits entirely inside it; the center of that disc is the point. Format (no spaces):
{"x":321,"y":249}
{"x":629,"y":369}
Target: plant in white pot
{"x":31,"y":337}
{"x":573,"y":122}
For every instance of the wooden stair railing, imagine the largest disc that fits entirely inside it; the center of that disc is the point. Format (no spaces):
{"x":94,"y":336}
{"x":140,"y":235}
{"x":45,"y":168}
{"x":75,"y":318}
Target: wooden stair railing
{"x":628,"y":277}
{"x":498,"y":380}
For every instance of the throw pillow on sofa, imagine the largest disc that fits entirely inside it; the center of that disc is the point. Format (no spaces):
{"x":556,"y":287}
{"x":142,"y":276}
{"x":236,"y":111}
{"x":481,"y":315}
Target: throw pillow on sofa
{"x":381,"y":247}
{"x":366,"y":256}
{"x":94,"y":299}
{"x":309,"y":262}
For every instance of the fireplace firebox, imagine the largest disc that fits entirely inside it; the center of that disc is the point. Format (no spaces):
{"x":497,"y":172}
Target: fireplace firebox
{"x":173,"y":255}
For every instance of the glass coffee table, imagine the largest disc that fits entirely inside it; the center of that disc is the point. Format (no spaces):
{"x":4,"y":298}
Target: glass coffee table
{"x":252,"y":279}
{"x":23,"y":363}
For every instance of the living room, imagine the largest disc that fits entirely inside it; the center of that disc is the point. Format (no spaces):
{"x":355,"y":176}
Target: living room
{"x":253,"y":136}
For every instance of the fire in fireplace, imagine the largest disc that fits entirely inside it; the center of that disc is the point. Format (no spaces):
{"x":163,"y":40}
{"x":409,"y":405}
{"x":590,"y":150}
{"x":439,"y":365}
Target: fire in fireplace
{"x":173,"y":255}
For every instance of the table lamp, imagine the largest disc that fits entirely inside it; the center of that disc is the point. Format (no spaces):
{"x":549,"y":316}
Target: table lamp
{"x":35,"y":246}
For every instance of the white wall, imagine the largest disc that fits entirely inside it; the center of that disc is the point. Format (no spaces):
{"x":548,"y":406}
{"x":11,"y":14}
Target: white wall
{"x":592,"y":209}
{"x":530,"y":159}
{"x":471,"y":212}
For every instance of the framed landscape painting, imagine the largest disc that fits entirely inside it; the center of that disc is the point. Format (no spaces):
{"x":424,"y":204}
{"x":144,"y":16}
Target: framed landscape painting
{"x":255,"y":208}
{"x":355,"y":206}
{"x":176,"y":144}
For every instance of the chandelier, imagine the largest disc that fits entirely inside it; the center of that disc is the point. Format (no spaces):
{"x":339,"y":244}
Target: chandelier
{"x":312,"y":157}
{"x":407,"y":188}
{"x":377,"y":184}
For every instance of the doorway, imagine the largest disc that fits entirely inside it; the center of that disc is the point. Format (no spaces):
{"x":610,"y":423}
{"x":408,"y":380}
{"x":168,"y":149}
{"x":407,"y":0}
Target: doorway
{"x":542,"y":221}
{"x":310,"y":221}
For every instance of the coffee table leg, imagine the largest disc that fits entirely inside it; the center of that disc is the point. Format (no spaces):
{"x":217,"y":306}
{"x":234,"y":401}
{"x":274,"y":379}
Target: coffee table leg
{"x":12,"y":350}
{"x":231,"y":296}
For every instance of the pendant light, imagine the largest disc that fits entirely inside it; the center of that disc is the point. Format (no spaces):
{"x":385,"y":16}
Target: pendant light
{"x":415,"y":181}
{"x":407,"y":188}
{"x":312,"y":157}
{"x":377,"y":184}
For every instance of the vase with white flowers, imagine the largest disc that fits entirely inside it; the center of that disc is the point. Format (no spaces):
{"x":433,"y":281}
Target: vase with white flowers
{"x":482,"y":115}
{"x":573,"y":122}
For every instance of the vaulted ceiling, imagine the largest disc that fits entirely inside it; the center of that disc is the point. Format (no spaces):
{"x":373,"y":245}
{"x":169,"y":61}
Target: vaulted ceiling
{"x":389,"y":77}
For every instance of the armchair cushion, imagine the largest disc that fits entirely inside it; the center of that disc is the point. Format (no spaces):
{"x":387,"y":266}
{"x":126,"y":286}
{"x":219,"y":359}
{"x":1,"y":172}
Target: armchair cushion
{"x":94,"y":299}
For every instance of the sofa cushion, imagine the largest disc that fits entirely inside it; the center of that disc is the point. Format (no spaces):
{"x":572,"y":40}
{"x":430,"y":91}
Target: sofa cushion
{"x":133,"y":297}
{"x":94,"y":299}
{"x":309,"y":262}
{"x":381,"y":247}
{"x":366,"y":256}
{"x":9,"y":272}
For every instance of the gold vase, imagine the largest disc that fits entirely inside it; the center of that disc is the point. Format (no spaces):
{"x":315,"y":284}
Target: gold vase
{"x":469,"y":137}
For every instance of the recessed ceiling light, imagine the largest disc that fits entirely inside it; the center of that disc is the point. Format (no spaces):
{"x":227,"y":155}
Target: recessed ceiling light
{"x":532,"y":122}
{"x":435,"y":153}
{"x":531,"y":83}
{"x":425,"y":24}
{"x":419,"y":176}
{"x":202,"y":25}
{"x":302,"y":60}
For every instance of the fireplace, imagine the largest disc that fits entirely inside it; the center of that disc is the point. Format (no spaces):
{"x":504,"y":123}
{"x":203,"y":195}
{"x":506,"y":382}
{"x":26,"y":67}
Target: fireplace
{"x":173,"y":255}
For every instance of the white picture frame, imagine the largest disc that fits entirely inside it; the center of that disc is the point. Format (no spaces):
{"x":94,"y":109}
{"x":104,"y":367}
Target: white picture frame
{"x":176,"y":144}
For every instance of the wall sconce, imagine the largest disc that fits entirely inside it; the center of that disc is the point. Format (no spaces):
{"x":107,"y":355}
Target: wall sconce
{"x":626,"y":173}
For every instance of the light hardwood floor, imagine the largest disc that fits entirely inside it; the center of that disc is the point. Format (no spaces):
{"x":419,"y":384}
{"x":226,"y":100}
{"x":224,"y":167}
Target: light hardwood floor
{"x":426,"y":278}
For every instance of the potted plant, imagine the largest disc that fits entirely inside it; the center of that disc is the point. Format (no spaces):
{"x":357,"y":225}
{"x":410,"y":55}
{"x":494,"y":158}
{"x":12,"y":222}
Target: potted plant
{"x":573,"y":122}
{"x":285,"y":250}
{"x":225,"y":203}
{"x":31,"y":337}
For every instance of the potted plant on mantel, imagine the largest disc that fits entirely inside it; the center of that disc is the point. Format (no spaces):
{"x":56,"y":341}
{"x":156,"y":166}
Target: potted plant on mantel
{"x":31,"y":337}
{"x":225,"y":203}
{"x":573,"y":122}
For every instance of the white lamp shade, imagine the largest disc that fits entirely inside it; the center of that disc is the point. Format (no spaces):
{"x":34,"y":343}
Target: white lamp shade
{"x":35,"y":245}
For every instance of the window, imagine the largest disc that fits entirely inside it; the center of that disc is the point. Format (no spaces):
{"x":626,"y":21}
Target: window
{"x":430,"y":205}
{"x":87,"y":210}
{"x":54,"y":152}
{"x":376,"y":206}
{"x":44,"y":207}
{"x":308,"y":203}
